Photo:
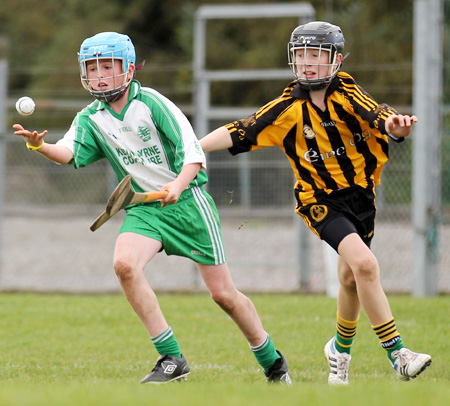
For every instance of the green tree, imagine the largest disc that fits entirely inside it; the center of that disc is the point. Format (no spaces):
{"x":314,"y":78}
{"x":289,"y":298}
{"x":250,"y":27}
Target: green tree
{"x":44,"y":37}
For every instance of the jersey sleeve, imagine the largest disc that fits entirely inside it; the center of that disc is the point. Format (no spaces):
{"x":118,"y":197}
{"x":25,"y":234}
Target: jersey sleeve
{"x":366,"y":107}
{"x":171,"y":122}
{"x":262,"y":129}
{"x":244,"y":135}
{"x":80,"y":140}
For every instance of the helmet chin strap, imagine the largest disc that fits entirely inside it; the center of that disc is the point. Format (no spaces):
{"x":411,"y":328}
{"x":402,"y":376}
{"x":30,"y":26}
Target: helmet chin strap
{"x":120,"y":95}
{"x":312,"y":86}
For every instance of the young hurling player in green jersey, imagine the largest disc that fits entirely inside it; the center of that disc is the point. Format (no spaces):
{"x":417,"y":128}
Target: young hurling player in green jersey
{"x":336,"y":138}
{"x":142,"y":133}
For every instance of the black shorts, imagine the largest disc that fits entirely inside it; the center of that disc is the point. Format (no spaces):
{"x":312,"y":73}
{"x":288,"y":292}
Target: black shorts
{"x":342,"y":212}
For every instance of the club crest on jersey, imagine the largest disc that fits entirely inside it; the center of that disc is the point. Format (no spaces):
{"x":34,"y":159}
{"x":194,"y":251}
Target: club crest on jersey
{"x":308,"y":132}
{"x":144,"y":134}
{"x":318,"y":212}
{"x":248,"y":122}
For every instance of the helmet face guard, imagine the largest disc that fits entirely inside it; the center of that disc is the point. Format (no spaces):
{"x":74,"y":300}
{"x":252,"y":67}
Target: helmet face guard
{"x":318,"y":36}
{"x":111,"y":46}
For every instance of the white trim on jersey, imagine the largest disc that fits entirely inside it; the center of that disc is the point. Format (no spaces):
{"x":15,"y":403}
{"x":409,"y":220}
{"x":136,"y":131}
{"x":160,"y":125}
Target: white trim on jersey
{"x":211,"y":224}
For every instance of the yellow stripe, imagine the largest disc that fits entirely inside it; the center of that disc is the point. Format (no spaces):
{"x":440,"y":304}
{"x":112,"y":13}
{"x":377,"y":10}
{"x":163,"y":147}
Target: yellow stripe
{"x":390,"y":337}
{"x":362,"y":99}
{"x":345,"y":346}
{"x":269,"y":105}
{"x":386,"y":331}
{"x":347,"y":323}
{"x":308,"y":223}
{"x":346,"y":328}
{"x":385,"y":324}
{"x":346,"y":337}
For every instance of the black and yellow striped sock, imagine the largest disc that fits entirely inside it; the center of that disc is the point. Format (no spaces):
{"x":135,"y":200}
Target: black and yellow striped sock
{"x":345,"y":334}
{"x":389,"y":337}
{"x":166,"y":344}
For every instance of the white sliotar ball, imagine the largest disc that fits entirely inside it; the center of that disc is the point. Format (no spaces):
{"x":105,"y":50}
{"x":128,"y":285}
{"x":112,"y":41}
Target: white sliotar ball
{"x":25,"y":106}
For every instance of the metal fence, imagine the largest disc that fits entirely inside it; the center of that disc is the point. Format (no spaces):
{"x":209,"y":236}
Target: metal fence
{"x":47,"y":244}
{"x":48,"y":208}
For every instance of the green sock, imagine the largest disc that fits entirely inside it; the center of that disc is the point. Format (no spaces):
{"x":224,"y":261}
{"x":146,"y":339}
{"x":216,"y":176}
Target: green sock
{"x":342,"y":345}
{"x":265,"y":353}
{"x":399,"y":344}
{"x":166,"y":344}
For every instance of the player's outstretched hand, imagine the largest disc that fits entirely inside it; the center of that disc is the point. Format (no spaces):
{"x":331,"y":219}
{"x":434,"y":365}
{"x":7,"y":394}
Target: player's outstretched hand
{"x":399,"y":125}
{"x":32,"y":138}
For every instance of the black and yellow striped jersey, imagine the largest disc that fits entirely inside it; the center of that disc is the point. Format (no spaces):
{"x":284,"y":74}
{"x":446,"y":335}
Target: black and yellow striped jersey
{"x":344,"y":145}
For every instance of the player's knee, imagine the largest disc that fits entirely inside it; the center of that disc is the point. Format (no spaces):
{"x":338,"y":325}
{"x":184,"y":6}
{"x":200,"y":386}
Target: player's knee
{"x":224,"y":299}
{"x":367,"y":269}
{"x":347,"y":279}
{"x":123,"y":269}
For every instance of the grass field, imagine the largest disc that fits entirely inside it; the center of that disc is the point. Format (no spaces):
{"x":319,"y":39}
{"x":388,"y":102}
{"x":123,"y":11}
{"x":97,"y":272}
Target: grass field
{"x":92,"y":350}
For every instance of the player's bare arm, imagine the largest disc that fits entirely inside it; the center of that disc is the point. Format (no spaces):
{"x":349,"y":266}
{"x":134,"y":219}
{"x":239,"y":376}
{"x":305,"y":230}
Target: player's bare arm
{"x":400,"y":125}
{"x":175,"y":188}
{"x":56,"y":153}
{"x":217,"y":140}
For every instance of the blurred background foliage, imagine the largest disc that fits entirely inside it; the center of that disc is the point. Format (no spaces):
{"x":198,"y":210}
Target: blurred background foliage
{"x":40,"y":41}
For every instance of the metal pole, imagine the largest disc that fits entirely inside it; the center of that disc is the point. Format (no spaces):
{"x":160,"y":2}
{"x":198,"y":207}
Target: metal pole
{"x":201,"y":95}
{"x":3,"y":109}
{"x":428,"y":54}
{"x":303,"y":233}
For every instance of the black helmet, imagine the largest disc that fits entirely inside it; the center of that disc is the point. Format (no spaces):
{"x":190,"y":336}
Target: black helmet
{"x":316,"y":35}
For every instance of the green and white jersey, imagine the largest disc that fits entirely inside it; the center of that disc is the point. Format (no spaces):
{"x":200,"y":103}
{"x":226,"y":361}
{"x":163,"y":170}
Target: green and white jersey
{"x":151,"y":139}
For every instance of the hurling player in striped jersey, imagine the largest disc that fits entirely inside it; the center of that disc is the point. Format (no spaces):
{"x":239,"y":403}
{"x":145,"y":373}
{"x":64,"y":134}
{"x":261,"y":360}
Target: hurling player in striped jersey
{"x":143,"y":134}
{"x":336,"y":138}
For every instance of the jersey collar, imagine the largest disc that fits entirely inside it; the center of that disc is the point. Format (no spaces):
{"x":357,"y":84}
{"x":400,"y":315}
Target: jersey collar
{"x":135,"y":87}
{"x":299,"y":93}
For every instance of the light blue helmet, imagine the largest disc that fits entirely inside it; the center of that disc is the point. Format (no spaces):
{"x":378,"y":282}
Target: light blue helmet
{"x":107,"y":45}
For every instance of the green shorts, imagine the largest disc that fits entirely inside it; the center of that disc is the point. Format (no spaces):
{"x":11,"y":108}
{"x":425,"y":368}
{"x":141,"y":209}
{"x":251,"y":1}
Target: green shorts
{"x":190,"y":228}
